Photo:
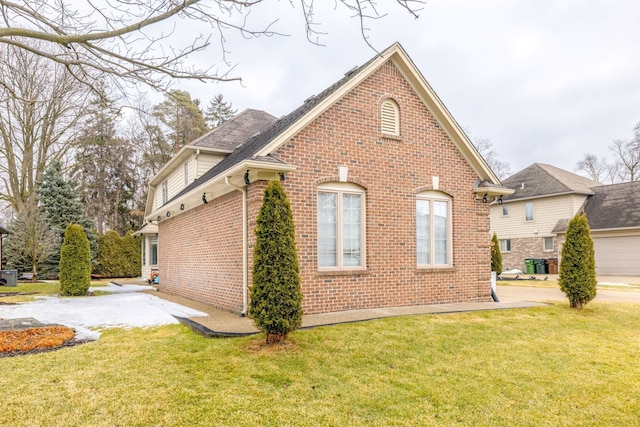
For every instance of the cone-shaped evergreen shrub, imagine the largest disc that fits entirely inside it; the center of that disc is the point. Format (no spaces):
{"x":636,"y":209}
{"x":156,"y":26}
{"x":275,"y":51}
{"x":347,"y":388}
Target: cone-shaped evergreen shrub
{"x":496,"y":255}
{"x":577,"y":267}
{"x":75,"y":262}
{"x":276,"y":299}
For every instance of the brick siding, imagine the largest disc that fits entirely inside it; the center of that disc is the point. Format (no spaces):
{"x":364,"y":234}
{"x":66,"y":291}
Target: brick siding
{"x":200,"y":250}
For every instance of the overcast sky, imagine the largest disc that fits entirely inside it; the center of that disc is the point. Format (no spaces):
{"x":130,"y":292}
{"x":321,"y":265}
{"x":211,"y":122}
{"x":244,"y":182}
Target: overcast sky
{"x":545,"y":81}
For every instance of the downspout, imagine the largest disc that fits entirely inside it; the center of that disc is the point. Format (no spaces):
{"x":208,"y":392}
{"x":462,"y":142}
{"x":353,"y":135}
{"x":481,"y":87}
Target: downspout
{"x":245,"y":249}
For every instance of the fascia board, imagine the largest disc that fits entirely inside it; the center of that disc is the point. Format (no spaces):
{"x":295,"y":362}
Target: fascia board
{"x":195,"y":194}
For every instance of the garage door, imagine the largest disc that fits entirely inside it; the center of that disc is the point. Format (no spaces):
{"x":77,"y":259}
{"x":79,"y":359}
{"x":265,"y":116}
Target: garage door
{"x":617,"y":255}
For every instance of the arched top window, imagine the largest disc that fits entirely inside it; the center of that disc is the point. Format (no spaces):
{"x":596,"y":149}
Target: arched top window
{"x":390,"y":117}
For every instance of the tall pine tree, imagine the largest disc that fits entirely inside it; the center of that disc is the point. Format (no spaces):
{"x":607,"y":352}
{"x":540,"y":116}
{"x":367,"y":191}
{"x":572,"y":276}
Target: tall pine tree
{"x":61,"y":202}
{"x":219,"y":111}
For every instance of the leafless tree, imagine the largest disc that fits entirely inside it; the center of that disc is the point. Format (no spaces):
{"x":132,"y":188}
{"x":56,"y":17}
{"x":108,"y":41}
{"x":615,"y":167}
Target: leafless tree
{"x":627,"y":158}
{"x":128,"y":38}
{"x":40,"y":105}
{"x":488,"y":152}
{"x":595,"y":168}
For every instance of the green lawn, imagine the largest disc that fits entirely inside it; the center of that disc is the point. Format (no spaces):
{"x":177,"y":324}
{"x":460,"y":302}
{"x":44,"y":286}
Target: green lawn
{"x":544,"y":366}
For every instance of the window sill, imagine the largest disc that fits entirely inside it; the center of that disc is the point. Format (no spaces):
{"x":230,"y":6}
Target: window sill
{"x":445,"y":269}
{"x":392,"y":136}
{"x":343,"y":272}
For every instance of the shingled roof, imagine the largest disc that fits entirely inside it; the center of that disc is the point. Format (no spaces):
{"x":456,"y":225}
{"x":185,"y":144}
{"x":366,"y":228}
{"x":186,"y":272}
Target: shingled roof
{"x":237,"y":131}
{"x":249,"y":149}
{"x":539,"y":180}
{"x":614,"y":206}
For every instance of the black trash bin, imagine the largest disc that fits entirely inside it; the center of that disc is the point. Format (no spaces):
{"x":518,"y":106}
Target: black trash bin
{"x":9,"y":278}
{"x":541,"y":266}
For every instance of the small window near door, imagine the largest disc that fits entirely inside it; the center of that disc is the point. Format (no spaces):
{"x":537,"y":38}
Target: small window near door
{"x":548,"y":244}
{"x":505,"y":245}
{"x":154,"y":250}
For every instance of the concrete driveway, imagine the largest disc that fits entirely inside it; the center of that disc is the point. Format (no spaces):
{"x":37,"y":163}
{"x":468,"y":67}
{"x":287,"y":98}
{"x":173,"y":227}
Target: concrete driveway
{"x":531,"y":293}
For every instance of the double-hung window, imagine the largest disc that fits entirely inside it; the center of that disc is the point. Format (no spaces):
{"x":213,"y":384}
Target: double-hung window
{"x":340,"y":226}
{"x":433,"y":229}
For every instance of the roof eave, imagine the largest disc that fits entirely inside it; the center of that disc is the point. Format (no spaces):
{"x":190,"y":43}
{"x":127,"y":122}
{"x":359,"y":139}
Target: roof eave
{"x":223,"y":183}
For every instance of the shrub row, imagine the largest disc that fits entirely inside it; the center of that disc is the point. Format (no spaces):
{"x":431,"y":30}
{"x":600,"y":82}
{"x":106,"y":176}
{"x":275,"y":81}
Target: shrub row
{"x":118,"y":256}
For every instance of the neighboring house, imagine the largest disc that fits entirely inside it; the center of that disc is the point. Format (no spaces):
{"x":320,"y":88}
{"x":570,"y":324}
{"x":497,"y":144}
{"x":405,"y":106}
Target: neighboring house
{"x":531,"y":223}
{"x":613,"y":212}
{"x":389,"y":198}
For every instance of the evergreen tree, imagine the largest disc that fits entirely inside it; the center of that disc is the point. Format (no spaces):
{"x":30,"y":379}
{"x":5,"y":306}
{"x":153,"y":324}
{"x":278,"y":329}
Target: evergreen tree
{"x":181,"y":117}
{"x":104,"y":168}
{"x":30,"y":241}
{"x":219,"y":111}
{"x":578,"y":268}
{"x":75,"y":262}
{"x":62,"y":205}
{"x":496,"y":255}
{"x":276,"y":298}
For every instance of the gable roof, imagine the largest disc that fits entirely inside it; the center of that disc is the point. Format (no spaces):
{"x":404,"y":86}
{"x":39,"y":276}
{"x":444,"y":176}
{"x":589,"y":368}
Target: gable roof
{"x":259,"y":148}
{"x":540,"y":180}
{"x":614,"y":206}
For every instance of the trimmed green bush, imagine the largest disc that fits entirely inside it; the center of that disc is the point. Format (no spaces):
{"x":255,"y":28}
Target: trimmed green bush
{"x":118,"y":256}
{"x":496,"y":255}
{"x":276,"y":298}
{"x":75,"y":262}
{"x":578,"y":267}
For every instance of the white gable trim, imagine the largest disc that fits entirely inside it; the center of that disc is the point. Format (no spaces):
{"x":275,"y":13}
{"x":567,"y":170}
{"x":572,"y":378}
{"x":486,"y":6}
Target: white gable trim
{"x":408,"y":69}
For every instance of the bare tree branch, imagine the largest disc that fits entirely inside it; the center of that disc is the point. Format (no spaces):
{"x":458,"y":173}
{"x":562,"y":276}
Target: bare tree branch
{"x":124,"y":38}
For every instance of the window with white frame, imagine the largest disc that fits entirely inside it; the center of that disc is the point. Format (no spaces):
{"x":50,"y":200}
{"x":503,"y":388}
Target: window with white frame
{"x":528,"y":211}
{"x":390,"y":116}
{"x":433,"y":229}
{"x":505,"y":210}
{"x":165,"y":192}
{"x":153,"y":243}
{"x":547,"y":244}
{"x":186,"y":173}
{"x":341,"y":226}
{"x":505,"y":245}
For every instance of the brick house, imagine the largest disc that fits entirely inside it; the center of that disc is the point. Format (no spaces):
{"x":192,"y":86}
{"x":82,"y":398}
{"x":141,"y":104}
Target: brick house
{"x":532,"y":222}
{"x":389,"y":197}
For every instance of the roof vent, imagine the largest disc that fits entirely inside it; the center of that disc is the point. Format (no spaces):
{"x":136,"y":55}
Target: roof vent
{"x":309,"y":99}
{"x":351,"y":71}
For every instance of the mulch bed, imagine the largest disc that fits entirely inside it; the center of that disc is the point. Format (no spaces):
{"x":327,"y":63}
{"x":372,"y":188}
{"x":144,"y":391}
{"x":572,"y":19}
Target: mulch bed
{"x":18,"y":342}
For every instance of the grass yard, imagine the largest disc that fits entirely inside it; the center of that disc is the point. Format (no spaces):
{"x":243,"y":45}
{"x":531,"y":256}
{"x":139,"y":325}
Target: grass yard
{"x":31,"y":290}
{"x":527,"y":367}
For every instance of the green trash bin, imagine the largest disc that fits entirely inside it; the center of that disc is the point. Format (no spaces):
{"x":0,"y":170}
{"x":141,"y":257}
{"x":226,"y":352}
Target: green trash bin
{"x":541,"y":266}
{"x":530,"y":267}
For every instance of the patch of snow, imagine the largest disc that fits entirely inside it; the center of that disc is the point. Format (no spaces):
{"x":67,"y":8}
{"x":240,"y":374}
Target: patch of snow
{"x":513,"y":271}
{"x":126,"y":309}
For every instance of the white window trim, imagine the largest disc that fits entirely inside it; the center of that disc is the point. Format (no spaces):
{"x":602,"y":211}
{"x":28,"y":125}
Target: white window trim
{"x":505,"y":208}
{"x":186,"y":173}
{"x":505,"y":244}
{"x":436,"y":196}
{"x":533,"y":212}
{"x":544,"y":249}
{"x":165,"y":191}
{"x":340,"y":189}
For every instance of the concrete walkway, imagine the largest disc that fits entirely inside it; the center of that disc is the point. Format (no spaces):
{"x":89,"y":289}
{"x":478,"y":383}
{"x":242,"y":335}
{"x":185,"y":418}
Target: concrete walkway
{"x":220,"y":323}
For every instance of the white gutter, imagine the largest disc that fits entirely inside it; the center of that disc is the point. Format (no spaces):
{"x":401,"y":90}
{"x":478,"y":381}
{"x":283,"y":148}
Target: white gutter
{"x":245,"y":250}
